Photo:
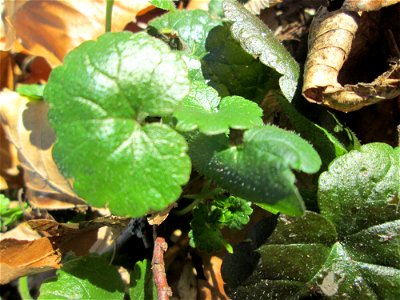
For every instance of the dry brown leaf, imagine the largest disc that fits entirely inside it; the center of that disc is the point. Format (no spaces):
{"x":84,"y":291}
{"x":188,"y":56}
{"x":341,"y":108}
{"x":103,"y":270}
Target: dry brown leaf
{"x":213,"y":287}
{"x":198,"y":4}
{"x":159,"y":217}
{"x":6,"y":70}
{"x":20,"y":258}
{"x":10,"y":176}
{"x":22,"y":232}
{"x":95,"y":236}
{"x":26,"y":126}
{"x":52,"y":28}
{"x":367,"y":5}
{"x":330,"y":41}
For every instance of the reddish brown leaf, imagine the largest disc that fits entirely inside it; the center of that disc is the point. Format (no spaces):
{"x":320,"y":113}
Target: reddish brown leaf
{"x":20,"y":258}
{"x":52,"y":28}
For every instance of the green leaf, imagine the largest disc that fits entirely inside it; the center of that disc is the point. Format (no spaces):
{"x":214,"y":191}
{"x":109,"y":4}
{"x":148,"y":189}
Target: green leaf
{"x":260,"y":169}
{"x":33,"y":91}
{"x":99,"y":100}
{"x":258,"y":40}
{"x":326,"y":144}
{"x":164,"y":4}
{"x":232,"y":71}
{"x":84,"y":278}
{"x":191,"y":26}
{"x":215,"y":8}
{"x":9,"y":215}
{"x":335,"y":254}
{"x":359,"y":183}
{"x":205,"y":233}
{"x":200,"y":110}
{"x":234,"y":212}
{"x":142,"y":284}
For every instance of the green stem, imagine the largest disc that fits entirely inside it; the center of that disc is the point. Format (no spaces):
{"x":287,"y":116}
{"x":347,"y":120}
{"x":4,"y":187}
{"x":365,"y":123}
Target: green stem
{"x":23,"y":288}
{"x":109,"y":8}
{"x":188,"y":208}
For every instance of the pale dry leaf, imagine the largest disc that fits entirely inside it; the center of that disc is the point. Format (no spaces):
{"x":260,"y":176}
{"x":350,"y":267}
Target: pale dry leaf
{"x":330,"y":41}
{"x":198,"y":4}
{"x":20,"y":258}
{"x":367,"y":5}
{"x":26,"y":126}
{"x":22,"y":232}
{"x":159,"y":217}
{"x":9,"y":173}
{"x":52,"y":28}
{"x":187,"y":283}
{"x":255,"y":6}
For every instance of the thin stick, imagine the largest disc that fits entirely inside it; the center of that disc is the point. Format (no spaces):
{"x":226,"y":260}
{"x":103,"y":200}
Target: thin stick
{"x":158,"y":267}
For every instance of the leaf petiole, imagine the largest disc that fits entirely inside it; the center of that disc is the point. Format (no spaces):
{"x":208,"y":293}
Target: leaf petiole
{"x":109,"y":7}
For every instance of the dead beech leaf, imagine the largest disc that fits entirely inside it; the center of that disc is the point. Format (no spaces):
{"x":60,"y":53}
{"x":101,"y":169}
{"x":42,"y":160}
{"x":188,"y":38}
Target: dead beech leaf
{"x":6,"y":70}
{"x":52,"y":28}
{"x":26,"y":126}
{"x":20,"y":258}
{"x":331,"y":39}
{"x":367,"y":5}
{"x":95,"y":236}
{"x":10,"y":176}
{"x":159,"y":217}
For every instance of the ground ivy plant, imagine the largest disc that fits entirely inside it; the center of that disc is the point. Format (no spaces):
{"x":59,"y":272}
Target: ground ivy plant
{"x":136,"y":114}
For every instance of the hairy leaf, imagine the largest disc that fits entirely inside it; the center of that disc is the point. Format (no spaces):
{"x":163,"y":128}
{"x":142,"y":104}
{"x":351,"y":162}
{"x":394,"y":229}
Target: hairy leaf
{"x":200,"y":110}
{"x":260,"y":169}
{"x":258,"y":40}
{"x":358,"y":184}
{"x":233,"y":71}
{"x":351,"y":252}
{"x":113,"y":85}
{"x":84,"y":278}
{"x":192,"y":28}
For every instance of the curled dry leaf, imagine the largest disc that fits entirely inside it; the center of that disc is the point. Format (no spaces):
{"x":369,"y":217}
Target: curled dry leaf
{"x":332,"y":36}
{"x":20,"y":258}
{"x":367,"y":5}
{"x":52,"y":28}
{"x":26,"y":126}
{"x":159,"y":217}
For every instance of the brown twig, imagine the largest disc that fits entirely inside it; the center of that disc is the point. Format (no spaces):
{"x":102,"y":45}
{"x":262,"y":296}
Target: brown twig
{"x":158,"y":267}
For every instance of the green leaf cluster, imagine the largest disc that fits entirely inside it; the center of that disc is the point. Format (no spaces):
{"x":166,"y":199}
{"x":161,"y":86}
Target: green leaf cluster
{"x":9,"y":215}
{"x":208,"y":220}
{"x":349,"y":250}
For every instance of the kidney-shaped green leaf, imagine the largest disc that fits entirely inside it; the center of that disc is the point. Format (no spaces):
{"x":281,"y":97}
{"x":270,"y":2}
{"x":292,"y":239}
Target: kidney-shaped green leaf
{"x":84,"y":278}
{"x":191,"y":26}
{"x":200,"y":110}
{"x":99,"y":100}
{"x":258,"y":40}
